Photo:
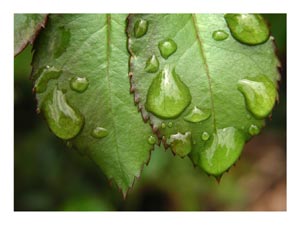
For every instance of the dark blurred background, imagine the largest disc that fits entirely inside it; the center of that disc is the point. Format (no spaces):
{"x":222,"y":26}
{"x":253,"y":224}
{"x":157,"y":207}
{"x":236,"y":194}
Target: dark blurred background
{"x":49,"y":176}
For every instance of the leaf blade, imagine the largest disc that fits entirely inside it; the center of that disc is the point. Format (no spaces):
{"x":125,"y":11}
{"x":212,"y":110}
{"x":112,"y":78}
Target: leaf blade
{"x":98,"y":53}
{"x":26,"y":28}
{"x":211,"y":69}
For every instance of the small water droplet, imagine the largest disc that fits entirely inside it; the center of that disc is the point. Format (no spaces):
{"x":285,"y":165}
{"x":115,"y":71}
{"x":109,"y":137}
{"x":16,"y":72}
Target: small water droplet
{"x":152,"y":64}
{"x":151,"y":140}
{"x":99,"y":132}
{"x":69,"y":144}
{"x":79,"y":84}
{"x":222,"y":150}
{"x":248,"y":29}
{"x":65,"y":121}
{"x":163,"y":125}
{"x":205,"y":136}
{"x":167,"y":47}
{"x":44,"y":75}
{"x":253,"y":130}
{"x":170,"y":124}
{"x":181,"y":143}
{"x":219,"y":35}
{"x":140,"y":28}
{"x":260,"y":95}
{"x":61,"y":40}
{"x":167,"y":96}
{"x":197,"y":115}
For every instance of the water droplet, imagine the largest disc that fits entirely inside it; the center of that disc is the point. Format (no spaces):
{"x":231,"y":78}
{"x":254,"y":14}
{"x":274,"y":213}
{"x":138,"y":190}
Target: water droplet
{"x":181,"y":143}
{"x":260,"y":95}
{"x":170,"y":124}
{"x":99,"y":132}
{"x":205,"y":136}
{"x":140,"y":28}
{"x":248,"y":29}
{"x":61,"y":40}
{"x":167,"y":47}
{"x":65,"y":121}
{"x":163,"y":125}
{"x":222,"y":150}
{"x":151,"y":140}
{"x":152,"y":64}
{"x":79,"y":84}
{"x":167,"y":96}
{"x":196,"y":115}
{"x":253,"y":130}
{"x":219,"y":35}
{"x":69,"y":144}
{"x":44,"y":75}
{"x":194,"y":142}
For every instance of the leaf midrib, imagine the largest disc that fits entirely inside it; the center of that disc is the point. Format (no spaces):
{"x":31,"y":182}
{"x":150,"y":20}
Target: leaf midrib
{"x":108,"y":55}
{"x":202,"y":53}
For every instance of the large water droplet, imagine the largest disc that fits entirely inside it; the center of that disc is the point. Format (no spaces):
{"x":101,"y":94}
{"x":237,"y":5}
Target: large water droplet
{"x":79,"y":84}
{"x":197,"y":115}
{"x":170,"y":124}
{"x":152,"y":64}
{"x":44,"y":75}
{"x":99,"y":132}
{"x":167,"y":47}
{"x":167,"y":96}
{"x":140,"y":28}
{"x":205,"y":136}
{"x":181,"y":143}
{"x":63,"y":120}
{"x":222,"y":151}
{"x":61,"y":41}
{"x":151,"y":140}
{"x":249,"y":29}
{"x":260,"y":95}
{"x":219,"y":35}
{"x":163,"y":125}
{"x":253,"y":130}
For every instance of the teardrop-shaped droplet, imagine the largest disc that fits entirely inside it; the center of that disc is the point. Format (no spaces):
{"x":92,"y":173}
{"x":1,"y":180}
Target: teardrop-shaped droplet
{"x":205,"y":136}
{"x":44,"y":75}
{"x":152,"y":64}
{"x":163,"y":125}
{"x":167,"y":47}
{"x":167,"y":96}
{"x":64,"y":120}
{"x":253,"y":130}
{"x":197,"y":115}
{"x":140,"y":28}
{"x":99,"y":132}
{"x":151,"y":140}
{"x":248,"y":29}
{"x":170,"y":124}
{"x":219,"y":35}
{"x":221,"y":151}
{"x":181,"y":143}
{"x":260,"y":95}
{"x":79,"y":84}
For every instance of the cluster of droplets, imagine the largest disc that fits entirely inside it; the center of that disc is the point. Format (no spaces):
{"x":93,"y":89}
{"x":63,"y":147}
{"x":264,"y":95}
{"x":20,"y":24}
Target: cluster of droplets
{"x":168,"y":96}
{"x":63,"y":119}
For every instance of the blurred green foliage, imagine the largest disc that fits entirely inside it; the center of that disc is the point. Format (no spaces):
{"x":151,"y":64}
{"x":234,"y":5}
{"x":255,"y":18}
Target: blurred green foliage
{"x":50,"y":176}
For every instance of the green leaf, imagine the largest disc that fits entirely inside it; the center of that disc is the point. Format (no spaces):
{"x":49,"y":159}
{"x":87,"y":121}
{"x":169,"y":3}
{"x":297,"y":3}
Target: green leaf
{"x":26,"y":28}
{"x":80,"y":69}
{"x":224,"y":88}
